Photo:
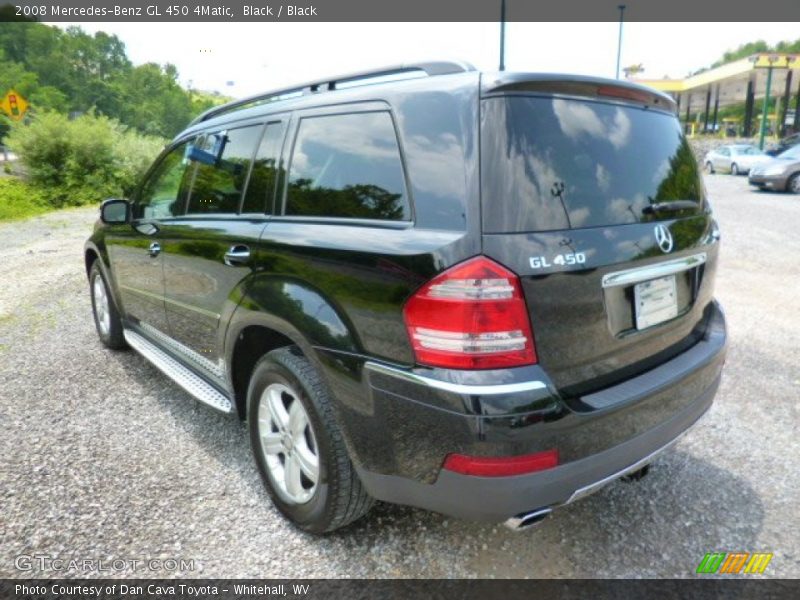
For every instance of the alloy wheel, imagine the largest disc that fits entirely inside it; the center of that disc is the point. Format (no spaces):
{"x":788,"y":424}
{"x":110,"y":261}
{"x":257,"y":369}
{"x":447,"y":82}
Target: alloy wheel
{"x":288,"y":444}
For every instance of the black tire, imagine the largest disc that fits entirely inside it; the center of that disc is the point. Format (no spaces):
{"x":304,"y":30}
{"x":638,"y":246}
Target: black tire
{"x":110,"y":330}
{"x":734,"y":169}
{"x":709,"y":167}
{"x":338,"y":497}
{"x":793,"y":185}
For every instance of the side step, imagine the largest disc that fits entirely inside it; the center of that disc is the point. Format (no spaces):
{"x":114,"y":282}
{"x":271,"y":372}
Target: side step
{"x":184,"y":377}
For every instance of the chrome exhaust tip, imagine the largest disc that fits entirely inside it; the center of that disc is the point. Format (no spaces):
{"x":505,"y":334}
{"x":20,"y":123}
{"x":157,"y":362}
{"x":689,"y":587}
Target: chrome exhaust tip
{"x":528,"y":519}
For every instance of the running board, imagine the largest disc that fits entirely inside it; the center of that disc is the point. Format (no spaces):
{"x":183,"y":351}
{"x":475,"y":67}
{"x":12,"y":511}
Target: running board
{"x":183,"y":376}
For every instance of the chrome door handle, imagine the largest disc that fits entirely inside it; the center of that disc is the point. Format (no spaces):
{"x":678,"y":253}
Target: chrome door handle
{"x":154,"y":249}
{"x":237,"y":255}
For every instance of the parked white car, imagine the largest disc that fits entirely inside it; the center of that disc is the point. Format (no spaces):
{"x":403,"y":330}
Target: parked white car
{"x":736,"y":159}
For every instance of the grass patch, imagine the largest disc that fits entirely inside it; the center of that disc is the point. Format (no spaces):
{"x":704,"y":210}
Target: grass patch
{"x":20,"y":200}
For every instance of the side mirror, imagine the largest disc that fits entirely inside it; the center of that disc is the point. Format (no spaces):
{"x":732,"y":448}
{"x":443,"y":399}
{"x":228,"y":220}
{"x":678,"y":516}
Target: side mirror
{"x":115,"y":211}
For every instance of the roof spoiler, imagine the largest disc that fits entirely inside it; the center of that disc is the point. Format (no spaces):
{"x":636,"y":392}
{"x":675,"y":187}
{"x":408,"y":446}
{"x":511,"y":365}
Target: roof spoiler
{"x":576,"y":85}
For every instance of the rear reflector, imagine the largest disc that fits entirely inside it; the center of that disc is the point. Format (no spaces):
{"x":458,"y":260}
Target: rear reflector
{"x":472,"y":316}
{"x":501,"y":466}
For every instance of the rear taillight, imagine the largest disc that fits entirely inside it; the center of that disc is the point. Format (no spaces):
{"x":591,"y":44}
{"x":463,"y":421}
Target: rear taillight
{"x":629,"y":94}
{"x":472,"y":316}
{"x":501,"y":466}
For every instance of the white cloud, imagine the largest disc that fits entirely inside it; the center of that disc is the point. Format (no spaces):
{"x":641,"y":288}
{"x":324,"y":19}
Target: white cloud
{"x":619,"y":132}
{"x":576,"y":119}
{"x":603,"y":177}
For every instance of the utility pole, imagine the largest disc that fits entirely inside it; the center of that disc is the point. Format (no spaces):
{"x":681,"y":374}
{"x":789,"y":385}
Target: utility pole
{"x":621,"y":8}
{"x":502,"y":35}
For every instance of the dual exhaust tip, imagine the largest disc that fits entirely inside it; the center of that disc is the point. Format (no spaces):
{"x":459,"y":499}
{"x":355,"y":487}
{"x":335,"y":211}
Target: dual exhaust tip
{"x":528,"y":519}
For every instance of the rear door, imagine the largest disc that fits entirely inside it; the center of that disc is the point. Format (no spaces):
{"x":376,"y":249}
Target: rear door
{"x":599,"y":207}
{"x":209,"y":251}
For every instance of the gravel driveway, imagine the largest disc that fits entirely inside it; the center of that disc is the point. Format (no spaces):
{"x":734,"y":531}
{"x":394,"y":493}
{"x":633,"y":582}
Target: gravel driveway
{"x":102,"y":458}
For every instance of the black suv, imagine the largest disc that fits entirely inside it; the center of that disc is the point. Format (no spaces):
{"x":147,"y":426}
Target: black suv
{"x":486,"y":295}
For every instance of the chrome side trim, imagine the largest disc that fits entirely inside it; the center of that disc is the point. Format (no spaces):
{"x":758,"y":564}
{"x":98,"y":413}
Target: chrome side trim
{"x":184,"y":377}
{"x":456,"y":388}
{"x":199,"y":359}
{"x":654,"y":271}
{"x":590,"y":489}
{"x":159,"y":297}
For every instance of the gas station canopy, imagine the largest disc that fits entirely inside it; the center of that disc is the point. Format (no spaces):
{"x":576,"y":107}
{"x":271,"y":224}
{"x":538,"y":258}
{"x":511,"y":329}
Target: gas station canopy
{"x":763,"y":75}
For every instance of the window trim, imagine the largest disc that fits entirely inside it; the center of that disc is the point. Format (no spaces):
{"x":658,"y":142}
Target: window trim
{"x":331,"y":111}
{"x":269,"y":201}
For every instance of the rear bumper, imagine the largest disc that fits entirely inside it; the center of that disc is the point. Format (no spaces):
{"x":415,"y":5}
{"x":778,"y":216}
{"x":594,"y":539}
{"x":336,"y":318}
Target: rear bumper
{"x":641,"y":417}
{"x":499,"y":498}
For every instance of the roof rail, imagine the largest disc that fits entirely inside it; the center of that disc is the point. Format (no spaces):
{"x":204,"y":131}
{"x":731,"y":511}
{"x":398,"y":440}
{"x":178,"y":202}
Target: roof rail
{"x":431,"y":69}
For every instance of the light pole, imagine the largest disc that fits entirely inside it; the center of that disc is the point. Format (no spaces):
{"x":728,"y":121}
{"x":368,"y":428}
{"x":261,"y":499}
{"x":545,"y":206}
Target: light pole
{"x":502,"y":35}
{"x":763,"y":129}
{"x":621,"y":8}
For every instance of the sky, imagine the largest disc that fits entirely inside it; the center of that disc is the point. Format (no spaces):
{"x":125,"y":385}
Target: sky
{"x":240,"y":59}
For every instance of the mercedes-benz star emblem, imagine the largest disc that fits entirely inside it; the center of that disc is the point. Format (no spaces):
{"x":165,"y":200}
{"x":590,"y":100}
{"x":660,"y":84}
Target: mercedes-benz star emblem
{"x":663,"y":238}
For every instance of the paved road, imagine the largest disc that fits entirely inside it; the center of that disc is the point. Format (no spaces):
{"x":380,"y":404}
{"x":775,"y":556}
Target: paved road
{"x":102,"y":458}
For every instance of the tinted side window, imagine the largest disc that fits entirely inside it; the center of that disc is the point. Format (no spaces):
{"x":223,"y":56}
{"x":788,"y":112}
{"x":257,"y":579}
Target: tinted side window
{"x":218,"y":183}
{"x":164,"y":192}
{"x":261,"y":187}
{"x":347,"y":166}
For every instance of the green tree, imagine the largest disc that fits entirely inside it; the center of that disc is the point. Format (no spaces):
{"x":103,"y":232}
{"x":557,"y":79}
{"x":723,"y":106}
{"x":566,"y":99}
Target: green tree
{"x":72,"y":71}
{"x":743,"y":51}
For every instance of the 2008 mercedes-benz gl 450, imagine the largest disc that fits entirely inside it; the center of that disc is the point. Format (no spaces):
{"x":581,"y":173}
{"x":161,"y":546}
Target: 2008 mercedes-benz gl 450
{"x":481,"y":294}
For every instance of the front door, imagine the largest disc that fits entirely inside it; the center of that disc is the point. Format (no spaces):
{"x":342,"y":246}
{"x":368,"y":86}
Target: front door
{"x":135,"y":249}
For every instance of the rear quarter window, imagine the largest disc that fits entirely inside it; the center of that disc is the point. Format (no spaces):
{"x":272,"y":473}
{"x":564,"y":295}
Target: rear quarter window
{"x":550,"y":163}
{"x":347,"y":166}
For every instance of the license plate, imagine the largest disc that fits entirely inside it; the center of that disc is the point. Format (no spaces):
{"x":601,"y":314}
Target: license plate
{"x":656,"y":301}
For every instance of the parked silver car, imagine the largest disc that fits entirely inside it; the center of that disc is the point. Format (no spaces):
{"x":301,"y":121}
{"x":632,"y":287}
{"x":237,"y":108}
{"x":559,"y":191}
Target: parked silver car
{"x":734,"y":159}
{"x":781,"y":173}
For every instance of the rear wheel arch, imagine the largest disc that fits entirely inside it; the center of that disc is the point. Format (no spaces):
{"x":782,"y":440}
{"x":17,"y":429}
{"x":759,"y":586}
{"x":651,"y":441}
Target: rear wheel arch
{"x":250,"y":344}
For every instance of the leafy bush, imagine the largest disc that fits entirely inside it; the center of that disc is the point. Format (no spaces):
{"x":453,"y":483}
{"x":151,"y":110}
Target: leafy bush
{"x":134,"y":155}
{"x":19,"y":200}
{"x":80,"y":161}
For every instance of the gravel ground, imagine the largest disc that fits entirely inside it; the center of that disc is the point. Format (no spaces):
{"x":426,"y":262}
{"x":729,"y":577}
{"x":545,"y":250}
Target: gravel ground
{"x":103,"y":458}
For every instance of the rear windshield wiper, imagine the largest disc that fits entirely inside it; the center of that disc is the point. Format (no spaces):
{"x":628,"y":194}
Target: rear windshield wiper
{"x":669,"y":206}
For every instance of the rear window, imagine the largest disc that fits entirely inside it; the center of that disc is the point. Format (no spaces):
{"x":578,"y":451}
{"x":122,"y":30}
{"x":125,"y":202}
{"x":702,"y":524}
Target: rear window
{"x":556,"y":163}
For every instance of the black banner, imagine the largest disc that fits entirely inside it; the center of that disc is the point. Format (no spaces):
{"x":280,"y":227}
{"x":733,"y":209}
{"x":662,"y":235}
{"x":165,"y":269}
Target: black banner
{"x":355,"y":589}
{"x":396,"y":10}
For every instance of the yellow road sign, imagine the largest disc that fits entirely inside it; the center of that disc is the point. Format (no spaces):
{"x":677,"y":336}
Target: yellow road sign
{"x":14,"y":105}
